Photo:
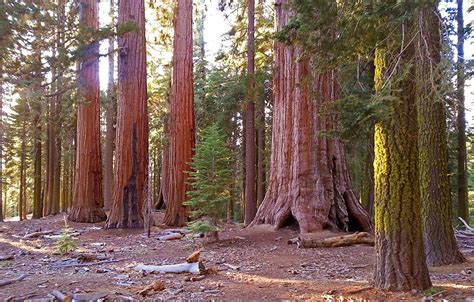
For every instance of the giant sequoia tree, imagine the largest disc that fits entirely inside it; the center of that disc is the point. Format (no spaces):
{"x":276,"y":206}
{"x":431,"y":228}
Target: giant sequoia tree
{"x":181,"y":124}
{"x":132,"y":120}
{"x":309,"y":181}
{"x":87,"y":200}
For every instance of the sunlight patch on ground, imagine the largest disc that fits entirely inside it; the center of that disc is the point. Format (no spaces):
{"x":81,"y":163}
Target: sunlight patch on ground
{"x":453,"y":285}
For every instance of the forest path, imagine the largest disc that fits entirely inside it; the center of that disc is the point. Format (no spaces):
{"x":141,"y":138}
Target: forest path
{"x":268,"y":268}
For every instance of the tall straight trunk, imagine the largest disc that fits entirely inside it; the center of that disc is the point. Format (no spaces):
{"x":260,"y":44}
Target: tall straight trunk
{"x":438,"y":234}
{"x":87,"y":203}
{"x":65,"y":181}
{"x":463,"y":200}
{"x":261,"y":174}
{"x":57,"y":114}
{"x":309,"y":182}
{"x":400,"y":258}
{"x":131,"y":165}
{"x":1,"y":145}
{"x":37,"y":158}
{"x":110,"y":121}
{"x":22,"y":194}
{"x":181,"y":117}
{"x":249,"y":115}
{"x":50,"y":157}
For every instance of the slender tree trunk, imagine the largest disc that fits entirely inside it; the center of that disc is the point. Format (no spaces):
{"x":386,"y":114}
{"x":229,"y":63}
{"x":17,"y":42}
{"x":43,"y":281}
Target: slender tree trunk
{"x":309,"y":182}
{"x":261,"y":177}
{"x":22,"y":194}
{"x":400,"y":257}
{"x":181,"y":117}
{"x":1,"y":146}
{"x":439,"y":240}
{"x":51,"y":150}
{"x":37,"y":158}
{"x":87,"y":203}
{"x":463,"y":201}
{"x":110,"y":121}
{"x":131,"y":165}
{"x":249,"y":115}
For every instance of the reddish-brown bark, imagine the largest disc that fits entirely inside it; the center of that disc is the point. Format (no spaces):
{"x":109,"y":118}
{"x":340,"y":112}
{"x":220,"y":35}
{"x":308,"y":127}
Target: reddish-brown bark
{"x":131,"y":163}
{"x":87,"y":200}
{"x":309,"y":181}
{"x":181,"y":133}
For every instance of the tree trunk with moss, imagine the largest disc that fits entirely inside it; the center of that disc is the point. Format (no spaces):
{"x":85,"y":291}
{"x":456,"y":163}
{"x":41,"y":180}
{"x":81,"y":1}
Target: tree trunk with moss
{"x":309,"y":182}
{"x":439,"y":240}
{"x":131,"y":165}
{"x":181,"y":134}
{"x":400,"y":258}
{"x":87,"y":203}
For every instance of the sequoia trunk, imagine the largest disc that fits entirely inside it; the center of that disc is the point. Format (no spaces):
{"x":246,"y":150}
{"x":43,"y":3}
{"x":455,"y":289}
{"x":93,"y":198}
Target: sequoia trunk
{"x":309,"y":182}
{"x":131,"y":163}
{"x":181,"y":134}
{"x":87,"y":200}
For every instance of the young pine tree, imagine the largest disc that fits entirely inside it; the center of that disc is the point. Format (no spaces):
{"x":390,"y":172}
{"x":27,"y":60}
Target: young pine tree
{"x":211,"y":180}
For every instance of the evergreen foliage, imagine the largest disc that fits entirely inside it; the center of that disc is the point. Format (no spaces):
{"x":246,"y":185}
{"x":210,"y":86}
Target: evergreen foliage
{"x":211,"y":179}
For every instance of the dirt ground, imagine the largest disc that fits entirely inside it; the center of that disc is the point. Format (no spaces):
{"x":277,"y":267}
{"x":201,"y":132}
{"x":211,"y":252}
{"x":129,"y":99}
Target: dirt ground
{"x":255,"y":264}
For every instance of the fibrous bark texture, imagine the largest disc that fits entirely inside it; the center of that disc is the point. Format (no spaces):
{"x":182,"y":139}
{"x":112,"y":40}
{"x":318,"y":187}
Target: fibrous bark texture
{"x":181,"y":134}
{"x":131,"y":163}
{"x":440,"y":243}
{"x":309,"y":181}
{"x":87,"y":200}
{"x":400,"y":258}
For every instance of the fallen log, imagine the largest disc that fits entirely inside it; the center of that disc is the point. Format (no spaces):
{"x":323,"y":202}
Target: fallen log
{"x":11,"y":281}
{"x":171,"y":236}
{"x":193,"y":268}
{"x":37,"y":234}
{"x":356,"y":238}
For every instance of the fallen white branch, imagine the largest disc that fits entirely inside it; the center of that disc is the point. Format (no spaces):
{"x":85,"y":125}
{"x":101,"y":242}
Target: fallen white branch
{"x":194,"y":268}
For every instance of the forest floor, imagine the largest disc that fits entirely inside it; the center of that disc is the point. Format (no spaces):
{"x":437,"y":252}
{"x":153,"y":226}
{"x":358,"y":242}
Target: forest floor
{"x":249,"y":264}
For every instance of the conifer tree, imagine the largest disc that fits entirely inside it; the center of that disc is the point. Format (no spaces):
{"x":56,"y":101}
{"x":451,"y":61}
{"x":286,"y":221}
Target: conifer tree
{"x":211,"y":180}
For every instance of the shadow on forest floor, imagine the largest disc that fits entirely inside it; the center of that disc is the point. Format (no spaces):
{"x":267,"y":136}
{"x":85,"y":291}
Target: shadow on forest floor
{"x":250,"y":264}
